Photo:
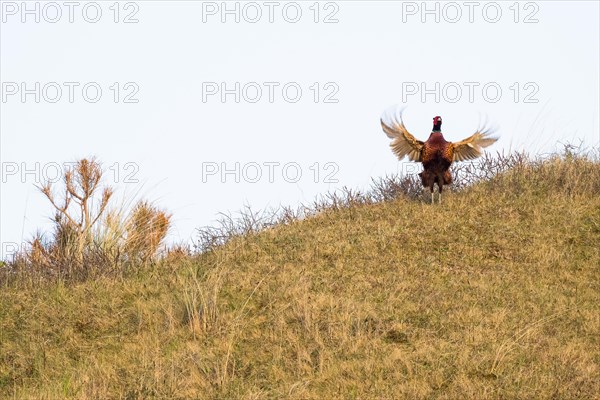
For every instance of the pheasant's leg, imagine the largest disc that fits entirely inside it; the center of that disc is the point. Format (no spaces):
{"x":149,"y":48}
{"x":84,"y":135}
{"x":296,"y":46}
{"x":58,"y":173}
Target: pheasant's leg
{"x":431,"y":186}
{"x":440,"y":198}
{"x":447,"y":180}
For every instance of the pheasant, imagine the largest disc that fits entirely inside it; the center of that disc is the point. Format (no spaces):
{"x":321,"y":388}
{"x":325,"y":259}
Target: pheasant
{"x":436,"y":154}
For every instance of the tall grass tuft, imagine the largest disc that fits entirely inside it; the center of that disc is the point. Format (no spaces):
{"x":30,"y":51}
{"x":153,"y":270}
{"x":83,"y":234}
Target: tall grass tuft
{"x":146,"y":228}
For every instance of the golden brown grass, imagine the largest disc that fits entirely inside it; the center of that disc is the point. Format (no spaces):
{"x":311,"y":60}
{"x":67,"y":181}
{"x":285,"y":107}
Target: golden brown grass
{"x":493,"y":294}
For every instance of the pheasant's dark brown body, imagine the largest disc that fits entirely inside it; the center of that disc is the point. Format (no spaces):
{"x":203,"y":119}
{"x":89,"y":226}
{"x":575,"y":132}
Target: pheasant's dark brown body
{"x":436,"y":154}
{"x":436,"y":157}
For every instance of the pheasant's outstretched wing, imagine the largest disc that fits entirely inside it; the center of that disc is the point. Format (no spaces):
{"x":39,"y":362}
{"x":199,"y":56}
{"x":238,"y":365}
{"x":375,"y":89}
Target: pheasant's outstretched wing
{"x":404,"y":144}
{"x":471,"y":147}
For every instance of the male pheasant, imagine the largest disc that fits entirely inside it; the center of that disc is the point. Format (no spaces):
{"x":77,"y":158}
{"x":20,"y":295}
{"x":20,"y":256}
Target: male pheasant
{"x":436,"y":154}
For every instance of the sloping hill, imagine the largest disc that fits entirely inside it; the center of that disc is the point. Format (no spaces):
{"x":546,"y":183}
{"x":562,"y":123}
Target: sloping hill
{"x":493,"y":294}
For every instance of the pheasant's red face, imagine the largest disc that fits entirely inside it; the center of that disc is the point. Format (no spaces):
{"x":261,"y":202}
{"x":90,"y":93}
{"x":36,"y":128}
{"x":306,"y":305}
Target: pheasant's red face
{"x":437,"y":120}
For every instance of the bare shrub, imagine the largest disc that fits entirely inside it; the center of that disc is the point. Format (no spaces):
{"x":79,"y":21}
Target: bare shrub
{"x":393,"y":187}
{"x":74,"y":228}
{"x":89,"y":237}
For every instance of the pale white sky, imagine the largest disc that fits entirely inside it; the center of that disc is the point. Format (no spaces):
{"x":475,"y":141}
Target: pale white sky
{"x":370,"y":55}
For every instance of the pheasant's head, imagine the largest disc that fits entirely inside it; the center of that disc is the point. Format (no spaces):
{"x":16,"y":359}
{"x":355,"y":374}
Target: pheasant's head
{"x":437,"y":124}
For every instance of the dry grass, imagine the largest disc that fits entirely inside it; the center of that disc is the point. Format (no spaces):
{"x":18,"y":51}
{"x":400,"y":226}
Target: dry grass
{"x":493,"y":294}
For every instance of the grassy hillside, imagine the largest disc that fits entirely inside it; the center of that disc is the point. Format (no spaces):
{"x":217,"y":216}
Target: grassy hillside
{"x":495,"y":293}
